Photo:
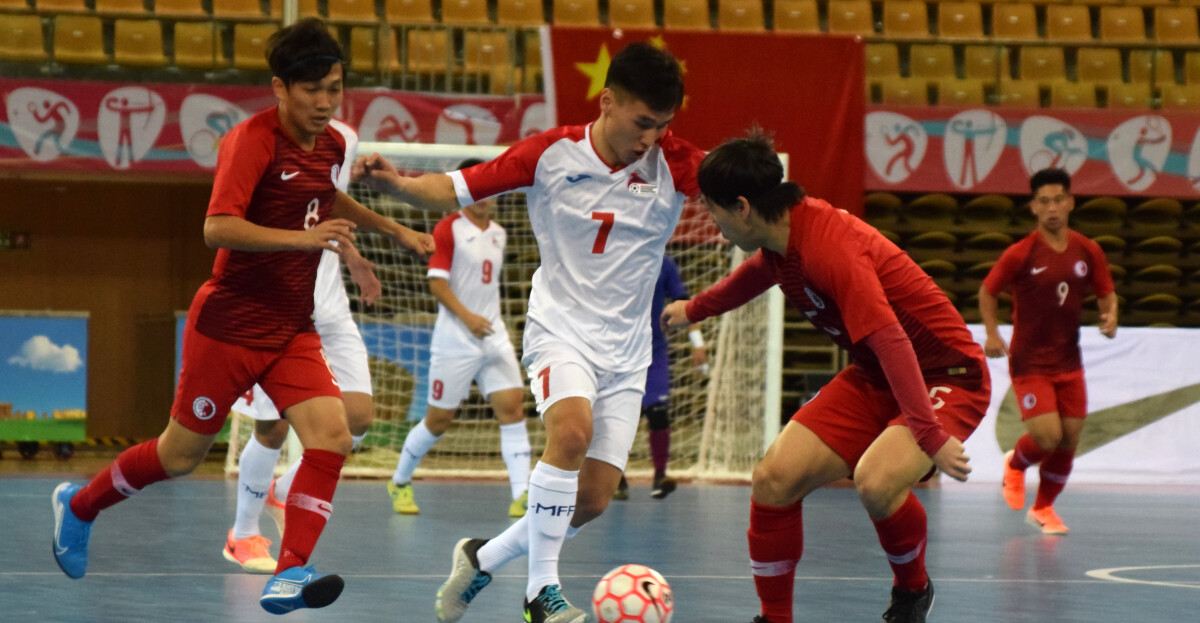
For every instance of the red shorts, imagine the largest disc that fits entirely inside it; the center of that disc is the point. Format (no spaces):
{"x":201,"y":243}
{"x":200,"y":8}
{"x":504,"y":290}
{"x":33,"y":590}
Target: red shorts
{"x":1064,"y":393}
{"x":216,"y":373}
{"x":849,"y":413}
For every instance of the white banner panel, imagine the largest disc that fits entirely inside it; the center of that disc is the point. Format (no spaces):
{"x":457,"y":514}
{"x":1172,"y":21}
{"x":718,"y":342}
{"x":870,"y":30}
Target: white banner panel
{"x":1143,"y":425}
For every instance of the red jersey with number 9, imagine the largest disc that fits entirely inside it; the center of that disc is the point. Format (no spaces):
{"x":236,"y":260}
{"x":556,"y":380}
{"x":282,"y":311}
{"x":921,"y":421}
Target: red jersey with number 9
{"x":1048,"y":289}
{"x":263,"y":299}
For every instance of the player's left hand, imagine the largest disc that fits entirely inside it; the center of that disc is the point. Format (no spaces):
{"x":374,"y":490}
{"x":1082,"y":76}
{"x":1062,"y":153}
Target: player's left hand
{"x":362,"y":271}
{"x":952,"y":460}
{"x":674,"y":315}
{"x":376,"y":172}
{"x":1108,"y":325}
{"x":699,"y":357}
{"x":415,"y":243}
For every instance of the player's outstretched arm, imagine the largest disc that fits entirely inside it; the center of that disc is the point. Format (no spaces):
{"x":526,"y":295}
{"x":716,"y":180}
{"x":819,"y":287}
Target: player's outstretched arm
{"x":225,"y":231}
{"x":479,"y":326}
{"x":1108,"y":314}
{"x":414,"y":243}
{"x":994,"y":345}
{"x":432,"y":191}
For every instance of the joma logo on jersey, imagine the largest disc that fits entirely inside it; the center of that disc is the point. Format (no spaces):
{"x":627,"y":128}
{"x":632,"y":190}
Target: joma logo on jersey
{"x":555,"y":511}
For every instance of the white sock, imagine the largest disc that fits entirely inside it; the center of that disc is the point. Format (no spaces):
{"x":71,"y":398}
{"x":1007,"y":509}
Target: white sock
{"x":283,"y":484}
{"x":509,"y":545}
{"x":256,"y":467}
{"x":416,"y":444}
{"x":552,"y":493}
{"x":514,"y":447}
{"x":357,"y":441}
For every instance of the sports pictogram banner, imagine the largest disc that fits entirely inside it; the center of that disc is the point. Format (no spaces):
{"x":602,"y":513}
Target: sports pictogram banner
{"x":66,"y":125}
{"x":992,"y":150}
{"x":806,"y":90}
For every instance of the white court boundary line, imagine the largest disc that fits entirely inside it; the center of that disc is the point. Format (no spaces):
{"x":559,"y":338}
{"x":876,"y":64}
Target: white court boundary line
{"x":1111,"y":575}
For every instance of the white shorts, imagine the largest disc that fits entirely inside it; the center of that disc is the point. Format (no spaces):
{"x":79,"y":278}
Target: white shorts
{"x":347,"y":356}
{"x":493,"y":369}
{"x":557,"y":371}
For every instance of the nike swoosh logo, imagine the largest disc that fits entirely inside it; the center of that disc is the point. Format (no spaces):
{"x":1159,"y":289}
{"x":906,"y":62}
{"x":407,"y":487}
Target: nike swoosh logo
{"x":1104,"y":425}
{"x":1038,"y":270}
{"x":647,"y":588}
{"x":528,"y":617}
{"x":58,"y":516}
{"x":287,"y":176}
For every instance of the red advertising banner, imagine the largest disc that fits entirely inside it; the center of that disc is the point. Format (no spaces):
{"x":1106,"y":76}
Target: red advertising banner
{"x":806,"y":90}
{"x":1107,"y":152}
{"x":66,"y":125}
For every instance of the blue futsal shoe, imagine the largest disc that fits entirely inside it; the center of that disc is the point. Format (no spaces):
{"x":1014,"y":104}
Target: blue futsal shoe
{"x":70,"y":533}
{"x":300,"y":587}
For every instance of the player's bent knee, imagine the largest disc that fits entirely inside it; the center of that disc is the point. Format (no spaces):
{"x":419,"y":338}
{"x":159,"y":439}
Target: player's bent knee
{"x":879,"y":492}
{"x":773,"y":486}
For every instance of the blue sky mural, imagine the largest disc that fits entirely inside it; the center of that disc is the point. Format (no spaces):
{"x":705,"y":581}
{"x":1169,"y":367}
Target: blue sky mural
{"x":43,"y":362}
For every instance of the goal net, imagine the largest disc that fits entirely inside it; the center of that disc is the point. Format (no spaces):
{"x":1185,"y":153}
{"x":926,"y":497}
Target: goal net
{"x":717,"y":418}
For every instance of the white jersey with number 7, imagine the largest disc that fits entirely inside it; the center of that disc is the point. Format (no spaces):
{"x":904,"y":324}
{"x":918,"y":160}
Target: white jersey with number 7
{"x":601,"y":233}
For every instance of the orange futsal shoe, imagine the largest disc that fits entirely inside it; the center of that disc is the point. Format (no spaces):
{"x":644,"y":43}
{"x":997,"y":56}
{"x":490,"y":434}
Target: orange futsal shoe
{"x":275,"y":508}
{"x":1047,"y":520}
{"x":1014,"y":484}
{"x":252,"y":553}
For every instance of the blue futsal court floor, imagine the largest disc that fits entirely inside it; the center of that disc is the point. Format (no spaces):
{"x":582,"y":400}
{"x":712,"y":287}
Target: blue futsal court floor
{"x":1133,"y":555}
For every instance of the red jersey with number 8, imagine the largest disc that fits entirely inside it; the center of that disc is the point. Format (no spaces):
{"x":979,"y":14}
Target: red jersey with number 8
{"x":263,"y":299}
{"x":1048,"y":288}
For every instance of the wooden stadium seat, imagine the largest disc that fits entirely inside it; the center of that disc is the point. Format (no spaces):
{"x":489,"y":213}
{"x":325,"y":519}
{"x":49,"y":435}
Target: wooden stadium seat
{"x":138,"y":43}
{"x":932,"y":61}
{"x":531,"y":70}
{"x":1014,"y":21}
{"x":740,"y":15}
{"x":903,"y":92}
{"x":520,"y":13}
{"x":931,"y":245}
{"x":1156,"y":217}
{"x":1068,"y":22}
{"x":1099,"y":65}
{"x":15,"y":6}
{"x":1175,"y":24}
{"x":120,"y":7}
{"x":484,"y":50}
{"x":1155,"y":67}
{"x":1072,"y":95}
{"x":1122,"y":23}
{"x":986,"y":63}
{"x":1042,"y":64}
{"x":465,"y":12}
{"x":852,"y":17}
{"x":1191,"y":67}
{"x":233,"y":9}
{"x":960,"y":20}
{"x":631,"y":14}
{"x":352,"y":11}
{"x":180,"y":8}
{"x":931,"y":212}
{"x":428,"y":52}
{"x":986,"y":213}
{"x":943,"y":272}
{"x":905,"y":18}
{"x":1113,"y":246}
{"x":796,"y":16}
{"x":984,"y":247}
{"x":250,"y":44}
{"x":79,"y":39}
{"x":1160,"y":309}
{"x":408,"y":11}
{"x":971,"y":277}
{"x":1100,"y":215}
{"x":61,"y":6}
{"x":955,"y":92}
{"x":195,"y":45}
{"x":576,"y":12}
{"x":22,"y":39}
{"x":364,"y":49}
{"x":686,"y":15}
{"x":883,"y":60}
{"x":1130,"y":95}
{"x":1180,"y":96}
{"x":307,"y":8}
{"x":1019,"y":94}
{"x":882,"y":209}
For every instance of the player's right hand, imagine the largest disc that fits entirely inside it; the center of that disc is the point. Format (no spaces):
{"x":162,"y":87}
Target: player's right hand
{"x":952,"y":460}
{"x":375,"y":172}
{"x":479,"y":326}
{"x":674,"y":315}
{"x":323,"y":235}
{"x":994,"y":347}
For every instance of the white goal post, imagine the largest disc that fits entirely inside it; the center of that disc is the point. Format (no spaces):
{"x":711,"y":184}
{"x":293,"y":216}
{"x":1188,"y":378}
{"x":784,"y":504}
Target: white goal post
{"x":721,"y":423}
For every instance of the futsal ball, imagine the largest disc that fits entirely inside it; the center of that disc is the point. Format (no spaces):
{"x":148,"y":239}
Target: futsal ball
{"x":633,"y":594}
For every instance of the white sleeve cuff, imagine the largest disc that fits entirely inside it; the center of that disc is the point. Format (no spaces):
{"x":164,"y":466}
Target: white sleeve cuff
{"x":460,"y":189}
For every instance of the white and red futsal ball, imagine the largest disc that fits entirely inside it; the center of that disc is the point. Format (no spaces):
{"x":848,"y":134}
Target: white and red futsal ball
{"x":633,"y":594}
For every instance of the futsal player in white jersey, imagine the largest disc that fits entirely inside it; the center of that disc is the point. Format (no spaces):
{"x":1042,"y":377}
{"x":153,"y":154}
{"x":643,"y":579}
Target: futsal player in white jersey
{"x":470,"y":342}
{"x":347,"y":356}
{"x":603,"y":200}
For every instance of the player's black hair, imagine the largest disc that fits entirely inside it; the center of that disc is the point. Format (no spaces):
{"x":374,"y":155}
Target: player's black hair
{"x":468,"y":163}
{"x":303,"y":52}
{"x":649,"y":74}
{"x":748,"y":167}
{"x":1046,"y":177}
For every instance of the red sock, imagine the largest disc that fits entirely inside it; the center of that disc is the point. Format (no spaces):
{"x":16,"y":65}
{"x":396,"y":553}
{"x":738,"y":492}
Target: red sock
{"x":309,"y":504}
{"x":1055,"y":470}
{"x":902,"y":536}
{"x":776,"y":537}
{"x":660,"y":450}
{"x":1026,"y":453}
{"x":131,"y":472}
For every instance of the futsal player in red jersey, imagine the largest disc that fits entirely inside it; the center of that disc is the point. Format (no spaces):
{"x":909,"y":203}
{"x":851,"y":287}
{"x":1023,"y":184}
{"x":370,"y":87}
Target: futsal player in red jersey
{"x":1049,"y":272}
{"x":918,"y":385}
{"x":274,"y":209}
